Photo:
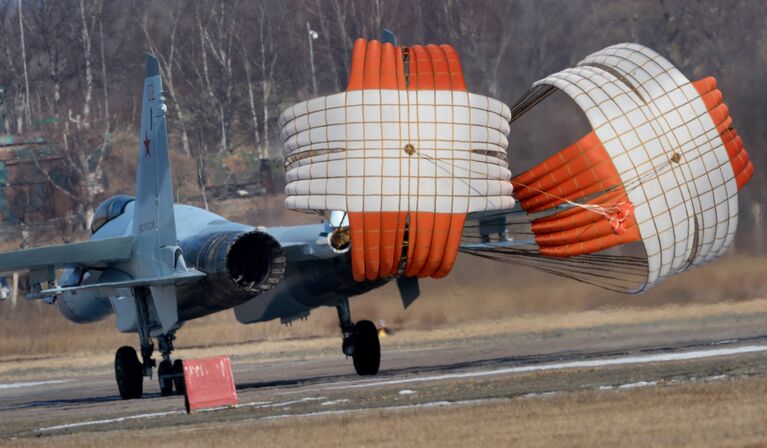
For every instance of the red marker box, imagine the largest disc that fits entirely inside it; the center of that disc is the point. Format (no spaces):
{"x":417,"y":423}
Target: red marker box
{"x":209,"y":383}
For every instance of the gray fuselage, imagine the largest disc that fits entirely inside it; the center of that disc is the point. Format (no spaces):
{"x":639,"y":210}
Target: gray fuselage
{"x":315,"y":275}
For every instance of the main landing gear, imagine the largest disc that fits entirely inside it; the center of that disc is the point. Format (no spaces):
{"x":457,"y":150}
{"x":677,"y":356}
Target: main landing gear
{"x":360,"y":341}
{"x":130,"y":372}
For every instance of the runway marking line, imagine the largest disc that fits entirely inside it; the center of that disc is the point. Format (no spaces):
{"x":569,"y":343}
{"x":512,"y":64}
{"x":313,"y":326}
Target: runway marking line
{"x":109,"y":420}
{"x":431,"y":404}
{"x":253,"y":404}
{"x":635,"y":359}
{"x":30,"y":384}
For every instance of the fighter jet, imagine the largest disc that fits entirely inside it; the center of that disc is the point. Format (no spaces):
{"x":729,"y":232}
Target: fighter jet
{"x":157,"y":264}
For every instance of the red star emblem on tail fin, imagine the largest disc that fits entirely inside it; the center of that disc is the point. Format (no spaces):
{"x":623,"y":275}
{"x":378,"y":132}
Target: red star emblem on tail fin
{"x":146,"y":146}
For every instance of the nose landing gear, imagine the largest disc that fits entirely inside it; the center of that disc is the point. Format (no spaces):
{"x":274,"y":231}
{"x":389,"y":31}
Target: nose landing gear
{"x":169,"y":373}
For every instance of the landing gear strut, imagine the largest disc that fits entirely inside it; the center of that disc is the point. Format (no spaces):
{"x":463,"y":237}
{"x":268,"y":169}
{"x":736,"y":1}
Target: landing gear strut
{"x":130,"y":372}
{"x":360,"y":341}
{"x":170,"y":373}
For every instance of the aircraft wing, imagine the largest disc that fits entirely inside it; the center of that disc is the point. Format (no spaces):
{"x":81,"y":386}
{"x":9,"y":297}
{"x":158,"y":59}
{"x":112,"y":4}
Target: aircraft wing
{"x":488,"y":231}
{"x":42,"y":262}
{"x":92,"y":253}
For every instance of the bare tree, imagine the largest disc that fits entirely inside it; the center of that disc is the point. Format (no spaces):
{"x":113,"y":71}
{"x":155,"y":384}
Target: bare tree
{"x":25,"y":104}
{"x":104,"y":83}
{"x":7,"y":67}
{"x":51,"y":20}
{"x":251,"y":99}
{"x":218,"y":39}
{"x":88,"y":19}
{"x":268,"y":61}
{"x":168,"y":64}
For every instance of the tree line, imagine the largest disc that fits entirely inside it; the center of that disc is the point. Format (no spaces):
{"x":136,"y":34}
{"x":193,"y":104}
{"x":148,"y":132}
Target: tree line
{"x":71,"y":70}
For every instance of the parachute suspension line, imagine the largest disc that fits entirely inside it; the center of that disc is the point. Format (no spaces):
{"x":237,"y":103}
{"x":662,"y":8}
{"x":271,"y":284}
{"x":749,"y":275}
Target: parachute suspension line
{"x":623,"y":281}
{"x":616,"y":214}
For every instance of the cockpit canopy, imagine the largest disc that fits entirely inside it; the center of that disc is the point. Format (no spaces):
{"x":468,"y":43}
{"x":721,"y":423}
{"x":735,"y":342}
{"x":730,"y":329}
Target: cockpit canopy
{"x":109,"y":210}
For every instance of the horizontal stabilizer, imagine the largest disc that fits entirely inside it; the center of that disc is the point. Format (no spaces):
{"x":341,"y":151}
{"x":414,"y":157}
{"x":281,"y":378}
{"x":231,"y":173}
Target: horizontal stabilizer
{"x":178,"y":278}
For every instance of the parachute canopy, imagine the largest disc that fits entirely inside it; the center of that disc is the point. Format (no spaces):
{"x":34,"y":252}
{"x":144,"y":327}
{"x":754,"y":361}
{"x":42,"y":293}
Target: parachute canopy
{"x":661,"y":167}
{"x":406,"y":151}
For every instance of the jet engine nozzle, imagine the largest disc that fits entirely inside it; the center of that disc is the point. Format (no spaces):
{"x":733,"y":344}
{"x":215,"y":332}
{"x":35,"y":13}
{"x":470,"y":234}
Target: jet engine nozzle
{"x":239,"y":265}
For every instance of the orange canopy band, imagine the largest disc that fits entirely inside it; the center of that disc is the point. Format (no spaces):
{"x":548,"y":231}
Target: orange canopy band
{"x":720,"y":114}
{"x":580,"y":170}
{"x":378,"y":237}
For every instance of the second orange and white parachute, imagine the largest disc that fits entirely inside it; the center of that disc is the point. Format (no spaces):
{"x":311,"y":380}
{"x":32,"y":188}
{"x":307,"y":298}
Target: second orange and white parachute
{"x":661,"y":167}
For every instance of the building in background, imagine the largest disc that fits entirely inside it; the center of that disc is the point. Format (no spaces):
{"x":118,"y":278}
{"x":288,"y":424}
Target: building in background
{"x":28,"y":200}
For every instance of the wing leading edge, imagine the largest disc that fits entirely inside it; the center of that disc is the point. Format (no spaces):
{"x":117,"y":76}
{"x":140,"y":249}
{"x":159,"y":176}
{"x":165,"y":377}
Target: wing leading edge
{"x":42,"y":262}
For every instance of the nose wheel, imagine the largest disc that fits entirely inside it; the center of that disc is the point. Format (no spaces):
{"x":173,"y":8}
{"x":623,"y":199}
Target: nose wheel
{"x":360,"y":341}
{"x":165,"y":377}
{"x":170,"y":374}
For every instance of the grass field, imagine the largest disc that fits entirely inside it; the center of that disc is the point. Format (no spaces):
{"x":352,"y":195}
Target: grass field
{"x":476,"y":292}
{"x":208,"y":336}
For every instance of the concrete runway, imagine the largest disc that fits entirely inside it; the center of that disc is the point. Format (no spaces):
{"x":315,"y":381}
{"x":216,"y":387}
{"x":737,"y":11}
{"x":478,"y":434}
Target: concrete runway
{"x":490,"y":369}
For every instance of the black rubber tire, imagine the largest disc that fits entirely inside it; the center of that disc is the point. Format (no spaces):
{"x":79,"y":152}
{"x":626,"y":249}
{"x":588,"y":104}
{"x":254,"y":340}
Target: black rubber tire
{"x":166,"y":384}
{"x":129,"y":373}
{"x":367,"y":348}
{"x":178,"y":381}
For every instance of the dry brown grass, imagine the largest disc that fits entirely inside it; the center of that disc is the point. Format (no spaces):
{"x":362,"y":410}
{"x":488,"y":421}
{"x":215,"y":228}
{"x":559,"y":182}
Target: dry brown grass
{"x":724,"y":413}
{"x":476,"y":292}
{"x":267,"y":342}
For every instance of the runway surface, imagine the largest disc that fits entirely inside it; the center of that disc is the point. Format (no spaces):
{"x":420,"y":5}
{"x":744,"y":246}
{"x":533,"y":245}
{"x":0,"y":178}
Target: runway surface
{"x":483,"y":370}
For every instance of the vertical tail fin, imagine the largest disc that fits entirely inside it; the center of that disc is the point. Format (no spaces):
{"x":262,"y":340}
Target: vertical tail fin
{"x":154,"y":226}
{"x":154,"y":189}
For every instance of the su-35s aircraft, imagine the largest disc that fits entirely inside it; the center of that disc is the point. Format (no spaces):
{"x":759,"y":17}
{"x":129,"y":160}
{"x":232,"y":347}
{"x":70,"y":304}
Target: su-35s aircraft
{"x":411,"y":168}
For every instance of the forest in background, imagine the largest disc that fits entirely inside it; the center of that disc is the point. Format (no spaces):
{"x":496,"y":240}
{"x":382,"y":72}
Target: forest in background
{"x":71,"y":72}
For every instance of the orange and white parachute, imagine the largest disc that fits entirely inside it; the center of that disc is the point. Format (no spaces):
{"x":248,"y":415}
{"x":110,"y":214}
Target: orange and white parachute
{"x":410,"y":155}
{"x":406,"y":151}
{"x":661,"y":167}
